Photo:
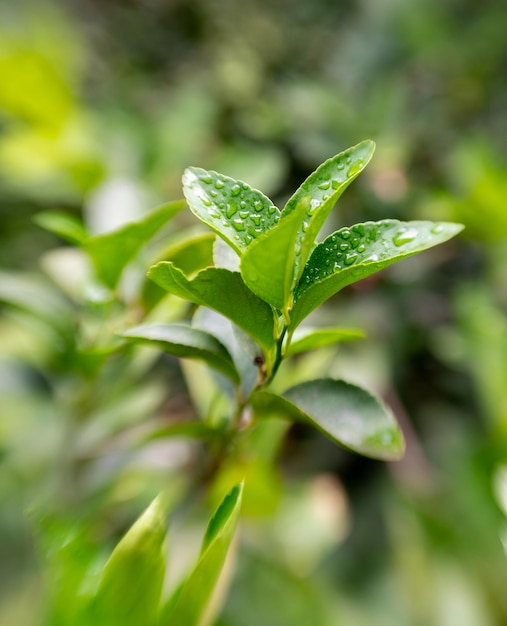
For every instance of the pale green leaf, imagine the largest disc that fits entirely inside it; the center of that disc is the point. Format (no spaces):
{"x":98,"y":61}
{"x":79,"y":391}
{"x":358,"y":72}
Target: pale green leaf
{"x":131,"y":583}
{"x":273,"y":264}
{"x":224,"y":292}
{"x":347,"y":414}
{"x":351,"y":254}
{"x":190,"y":604}
{"x":235,"y":211}
{"x":305,"y":339}
{"x":186,"y":342}
{"x":111,"y":252}
{"x":62,"y":224}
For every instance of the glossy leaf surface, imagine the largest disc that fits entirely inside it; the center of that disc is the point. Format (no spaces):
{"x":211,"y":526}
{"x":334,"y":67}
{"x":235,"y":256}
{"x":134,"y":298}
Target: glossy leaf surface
{"x":131,"y":583}
{"x":186,"y":342}
{"x":235,"y":211}
{"x":273,"y":264}
{"x":191,"y":602}
{"x":351,"y":254}
{"x":111,"y":252}
{"x":347,"y":414}
{"x":223,"y":291}
{"x":305,"y":339}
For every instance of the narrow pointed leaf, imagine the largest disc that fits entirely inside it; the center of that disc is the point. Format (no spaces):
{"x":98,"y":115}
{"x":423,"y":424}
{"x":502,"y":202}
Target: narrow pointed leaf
{"x":305,"y":339}
{"x":62,"y":224}
{"x":224,"y":292}
{"x":186,"y":342}
{"x":347,"y":414}
{"x":131,"y":583}
{"x":273,"y":264}
{"x":351,"y":254}
{"x":111,"y":252}
{"x":191,"y":602}
{"x":235,"y":211}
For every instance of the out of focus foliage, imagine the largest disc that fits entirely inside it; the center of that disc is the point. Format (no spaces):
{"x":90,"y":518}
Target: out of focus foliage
{"x":102,"y":106}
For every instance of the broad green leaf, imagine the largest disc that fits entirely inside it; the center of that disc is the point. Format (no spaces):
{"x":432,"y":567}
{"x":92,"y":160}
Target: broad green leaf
{"x":111,"y":252}
{"x":347,"y":414}
{"x":191,"y":602}
{"x":235,"y":211}
{"x":351,"y":254}
{"x":305,"y":339}
{"x":223,"y":291}
{"x":62,"y":224}
{"x":131,"y":583}
{"x":191,"y":254}
{"x":273,"y":264}
{"x":186,"y":342}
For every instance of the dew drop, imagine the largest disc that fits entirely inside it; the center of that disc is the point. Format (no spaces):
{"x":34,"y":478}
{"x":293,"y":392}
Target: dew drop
{"x":247,"y":239}
{"x":340,"y":166}
{"x":437,"y":229}
{"x":244,"y":214}
{"x":206,"y":201}
{"x":256,"y":218}
{"x":235,"y":189}
{"x":350,"y":258}
{"x":213,"y":193}
{"x":359,"y":229}
{"x":344,"y":246}
{"x":345,"y":234}
{"x":336,"y":184}
{"x":272,"y":209}
{"x":325,"y":196}
{"x":355,"y":168}
{"x":219,"y":184}
{"x":354,"y":242}
{"x":206,"y":178}
{"x":231,"y":210}
{"x":238,"y":224}
{"x":324,"y":185}
{"x":361,"y":248}
{"x":404,"y":236}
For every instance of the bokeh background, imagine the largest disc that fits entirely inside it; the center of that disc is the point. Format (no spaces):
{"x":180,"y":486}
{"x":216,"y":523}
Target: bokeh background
{"x":102,"y":106}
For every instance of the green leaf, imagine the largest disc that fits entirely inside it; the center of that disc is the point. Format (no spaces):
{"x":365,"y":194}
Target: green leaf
{"x":345,"y":413}
{"x":186,"y":342}
{"x":131,"y":583}
{"x":235,"y":211}
{"x":305,"y":339}
{"x":273,"y":264}
{"x":351,"y":254}
{"x":111,"y":252}
{"x":62,"y":224}
{"x":223,"y":291}
{"x":191,"y":254}
{"x":191,"y":602}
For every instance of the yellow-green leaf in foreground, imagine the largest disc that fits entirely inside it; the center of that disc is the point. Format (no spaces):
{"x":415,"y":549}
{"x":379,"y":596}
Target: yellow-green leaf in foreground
{"x":131,"y":583}
{"x":190,"y":604}
{"x":305,"y":339}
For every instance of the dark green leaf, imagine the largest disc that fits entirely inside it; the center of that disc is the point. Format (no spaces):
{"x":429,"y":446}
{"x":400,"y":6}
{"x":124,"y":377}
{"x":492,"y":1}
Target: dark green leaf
{"x":223,"y":291}
{"x":347,"y":414}
{"x":305,"y":339}
{"x":62,"y":224}
{"x":351,"y":254}
{"x":129,"y":591}
{"x":273,"y":264}
{"x":111,"y":252}
{"x":186,"y":342}
{"x":235,"y":211}
{"x":191,"y":602}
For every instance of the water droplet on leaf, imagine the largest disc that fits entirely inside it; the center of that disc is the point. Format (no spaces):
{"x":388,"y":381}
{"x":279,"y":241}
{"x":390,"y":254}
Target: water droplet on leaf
{"x":350,"y":258}
{"x":235,"y":190}
{"x":404,"y":236}
{"x":238,"y":224}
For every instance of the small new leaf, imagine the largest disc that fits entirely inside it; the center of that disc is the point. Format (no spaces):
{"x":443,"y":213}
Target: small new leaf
{"x":305,"y":339}
{"x":131,"y":583}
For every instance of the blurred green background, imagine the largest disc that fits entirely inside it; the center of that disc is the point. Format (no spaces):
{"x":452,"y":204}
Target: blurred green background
{"x":102,"y":106}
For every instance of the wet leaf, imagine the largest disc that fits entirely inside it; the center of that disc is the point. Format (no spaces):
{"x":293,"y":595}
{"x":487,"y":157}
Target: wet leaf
{"x":351,"y":254}
{"x":235,"y":211}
